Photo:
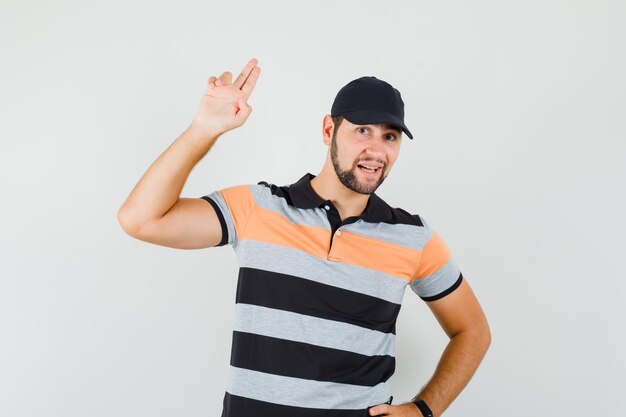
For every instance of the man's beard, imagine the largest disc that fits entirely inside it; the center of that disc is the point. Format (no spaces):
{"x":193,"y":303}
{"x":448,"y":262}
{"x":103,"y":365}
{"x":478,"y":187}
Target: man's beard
{"x":349,"y":176}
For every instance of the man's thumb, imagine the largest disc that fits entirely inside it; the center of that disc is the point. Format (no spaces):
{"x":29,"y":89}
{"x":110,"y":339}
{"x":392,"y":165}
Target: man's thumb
{"x":244,"y":109}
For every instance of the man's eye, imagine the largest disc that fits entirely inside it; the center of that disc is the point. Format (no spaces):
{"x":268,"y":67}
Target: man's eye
{"x":362,"y":129}
{"x":393,"y":137}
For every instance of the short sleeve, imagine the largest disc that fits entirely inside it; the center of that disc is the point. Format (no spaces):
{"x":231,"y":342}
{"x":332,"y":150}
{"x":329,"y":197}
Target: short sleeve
{"x":233,"y":206}
{"x":437,"y":274}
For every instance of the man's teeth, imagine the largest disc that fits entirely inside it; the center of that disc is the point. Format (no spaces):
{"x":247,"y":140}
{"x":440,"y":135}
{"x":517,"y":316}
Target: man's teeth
{"x":368,"y":169}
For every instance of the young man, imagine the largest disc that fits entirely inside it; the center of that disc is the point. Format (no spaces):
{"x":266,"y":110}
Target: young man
{"x":324,"y":262}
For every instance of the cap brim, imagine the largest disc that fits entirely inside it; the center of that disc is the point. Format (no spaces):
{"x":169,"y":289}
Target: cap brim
{"x":368,"y":117}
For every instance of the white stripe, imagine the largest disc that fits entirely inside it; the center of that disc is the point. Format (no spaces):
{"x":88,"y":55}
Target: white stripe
{"x":299,"y":392}
{"x":313,"y":330}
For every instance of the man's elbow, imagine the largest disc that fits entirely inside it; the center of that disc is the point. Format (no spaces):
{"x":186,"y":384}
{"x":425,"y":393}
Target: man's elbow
{"x":486,"y":336}
{"x":483,"y":335}
{"x":479,"y":334}
{"x":127,"y":223}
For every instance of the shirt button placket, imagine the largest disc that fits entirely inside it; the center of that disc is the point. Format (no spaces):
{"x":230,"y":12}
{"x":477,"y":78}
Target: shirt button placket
{"x":335,"y":248}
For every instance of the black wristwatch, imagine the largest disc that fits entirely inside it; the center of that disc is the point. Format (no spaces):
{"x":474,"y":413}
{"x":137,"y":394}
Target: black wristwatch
{"x":423,"y":407}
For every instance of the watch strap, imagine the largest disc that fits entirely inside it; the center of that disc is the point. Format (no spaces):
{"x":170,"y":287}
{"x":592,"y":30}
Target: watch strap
{"x":423,"y":407}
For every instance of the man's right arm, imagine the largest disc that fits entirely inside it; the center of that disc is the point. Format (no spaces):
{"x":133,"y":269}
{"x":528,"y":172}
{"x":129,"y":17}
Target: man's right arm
{"x":154,"y":212}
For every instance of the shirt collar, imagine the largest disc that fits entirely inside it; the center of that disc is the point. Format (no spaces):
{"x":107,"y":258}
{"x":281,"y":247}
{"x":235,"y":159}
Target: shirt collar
{"x":303,"y":196}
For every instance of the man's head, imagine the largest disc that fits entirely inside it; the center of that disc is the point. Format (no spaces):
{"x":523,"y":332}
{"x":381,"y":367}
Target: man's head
{"x":367,"y":120}
{"x":354,"y":148}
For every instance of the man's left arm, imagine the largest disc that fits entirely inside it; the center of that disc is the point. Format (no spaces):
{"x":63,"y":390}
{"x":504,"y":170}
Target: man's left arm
{"x":463,"y":320}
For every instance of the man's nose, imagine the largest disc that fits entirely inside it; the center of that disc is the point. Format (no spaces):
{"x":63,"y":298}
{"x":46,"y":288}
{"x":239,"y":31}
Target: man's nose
{"x":376,"y":147}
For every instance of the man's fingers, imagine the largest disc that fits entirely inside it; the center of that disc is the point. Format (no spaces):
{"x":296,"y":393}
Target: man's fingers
{"x":251,"y":82}
{"x":241,"y":79}
{"x":381,"y":409}
{"x":244,"y":82}
{"x":225,"y":78}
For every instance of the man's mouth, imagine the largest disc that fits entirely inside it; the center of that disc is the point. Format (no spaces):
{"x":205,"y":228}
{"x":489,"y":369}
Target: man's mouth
{"x":369,"y":169}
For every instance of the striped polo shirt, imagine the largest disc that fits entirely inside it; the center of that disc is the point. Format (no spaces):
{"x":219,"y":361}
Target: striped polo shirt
{"x":317,"y":298}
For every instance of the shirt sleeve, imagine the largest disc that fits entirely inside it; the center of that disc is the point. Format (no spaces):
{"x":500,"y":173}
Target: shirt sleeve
{"x":437,"y":274}
{"x":233,"y":206}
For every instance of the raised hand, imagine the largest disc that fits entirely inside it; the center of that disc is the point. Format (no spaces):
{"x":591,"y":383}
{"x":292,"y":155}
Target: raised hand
{"x":224,"y":105}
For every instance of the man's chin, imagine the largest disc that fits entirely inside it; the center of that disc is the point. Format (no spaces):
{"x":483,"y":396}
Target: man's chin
{"x":367,"y":187}
{"x":367,"y":182}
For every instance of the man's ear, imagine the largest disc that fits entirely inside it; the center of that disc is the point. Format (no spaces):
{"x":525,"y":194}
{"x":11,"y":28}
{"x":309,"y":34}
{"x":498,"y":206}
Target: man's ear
{"x":327,"y":129}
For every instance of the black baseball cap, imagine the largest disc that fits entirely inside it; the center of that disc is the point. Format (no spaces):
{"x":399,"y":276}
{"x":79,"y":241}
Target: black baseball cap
{"x":368,"y":100}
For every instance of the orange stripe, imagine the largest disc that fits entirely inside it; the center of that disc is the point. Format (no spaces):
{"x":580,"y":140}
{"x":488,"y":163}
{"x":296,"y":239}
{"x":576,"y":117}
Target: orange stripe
{"x":379,"y":255}
{"x":240,"y":201}
{"x":272,"y":227}
{"x":434,"y":255}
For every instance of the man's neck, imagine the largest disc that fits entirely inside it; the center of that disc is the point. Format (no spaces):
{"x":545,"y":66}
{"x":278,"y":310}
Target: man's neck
{"x":349,"y":203}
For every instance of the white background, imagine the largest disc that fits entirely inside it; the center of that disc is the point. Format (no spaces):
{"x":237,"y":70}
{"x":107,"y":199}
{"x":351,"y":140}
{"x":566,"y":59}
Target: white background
{"x":518,"y":161}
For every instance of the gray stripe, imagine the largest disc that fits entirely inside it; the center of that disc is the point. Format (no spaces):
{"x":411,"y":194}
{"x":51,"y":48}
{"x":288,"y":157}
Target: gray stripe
{"x":313,"y":330}
{"x":228,"y":217}
{"x":285,"y":260}
{"x":407,"y":235}
{"x":300,"y":392}
{"x":437,"y":282}
{"x":308,"y":217}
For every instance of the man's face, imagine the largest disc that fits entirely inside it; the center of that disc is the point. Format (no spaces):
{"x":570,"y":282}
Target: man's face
{"x":355,"y":147}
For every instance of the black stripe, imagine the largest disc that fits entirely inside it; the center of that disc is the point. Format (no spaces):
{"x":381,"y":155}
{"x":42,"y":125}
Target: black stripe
{"x":237,"y":406}
{"x":220,"y":216}
{"x":306,"y":361}
{"x":446,"y":292}
{"x":304,"y":296}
